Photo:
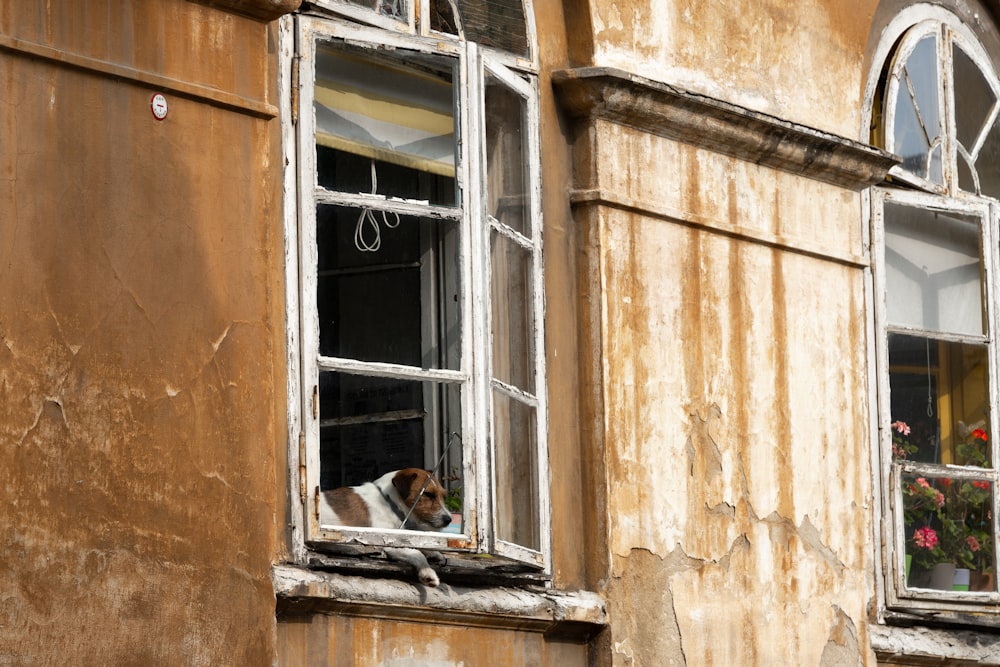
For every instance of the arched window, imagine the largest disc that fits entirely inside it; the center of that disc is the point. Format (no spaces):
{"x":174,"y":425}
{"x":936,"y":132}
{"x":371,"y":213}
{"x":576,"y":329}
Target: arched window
{"x":942,"y":111}
{"x":935,"y":260}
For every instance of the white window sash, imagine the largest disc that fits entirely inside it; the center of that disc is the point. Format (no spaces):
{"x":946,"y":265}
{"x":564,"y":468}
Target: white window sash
{"x":474,"y":373}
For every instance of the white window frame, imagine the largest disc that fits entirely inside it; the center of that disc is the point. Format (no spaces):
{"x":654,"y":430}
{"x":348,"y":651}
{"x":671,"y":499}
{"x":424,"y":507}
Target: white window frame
{"x":946,"y":197}
{"x":421,"y":9}
{"x":299,"y":36}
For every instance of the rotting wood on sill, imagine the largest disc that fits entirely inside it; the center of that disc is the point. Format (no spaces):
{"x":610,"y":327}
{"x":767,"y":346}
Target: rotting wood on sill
{"x":674,"y":113}
{"x":575,"y":615}
{"x":453,"y":568}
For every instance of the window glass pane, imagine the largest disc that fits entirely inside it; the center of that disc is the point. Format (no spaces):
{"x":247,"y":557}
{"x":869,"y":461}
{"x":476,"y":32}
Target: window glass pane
{"x":989,"y":163}
{"x":516,"y":472}
{"x":371,"y":425}
{"x":917,"y":123}
{"x":396,"y":9}
{"x":933,"y":270}
{"x":506,"y":156}
{"x":973,"y":99}
{"x":512,"y":323}
{"x":496,"y":23}
{"x":940,"y":391}
{"x":387,"y":113}
{"x":397,"y":303}
{"x":948,"y":525}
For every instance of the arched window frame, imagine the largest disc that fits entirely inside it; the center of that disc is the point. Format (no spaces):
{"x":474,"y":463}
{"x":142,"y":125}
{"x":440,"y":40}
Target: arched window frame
{"x":910,"y":195}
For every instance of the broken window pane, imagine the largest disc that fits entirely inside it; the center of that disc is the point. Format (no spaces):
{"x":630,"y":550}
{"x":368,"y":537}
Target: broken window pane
{"x":496,"y":23}
{"x":917,"y":122}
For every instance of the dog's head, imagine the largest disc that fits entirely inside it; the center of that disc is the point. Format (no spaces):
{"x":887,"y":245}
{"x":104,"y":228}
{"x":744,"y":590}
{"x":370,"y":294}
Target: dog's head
{"x":425,"y":495}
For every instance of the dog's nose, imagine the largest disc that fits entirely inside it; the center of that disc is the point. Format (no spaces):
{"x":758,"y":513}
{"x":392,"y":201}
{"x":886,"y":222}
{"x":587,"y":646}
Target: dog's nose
{"x":446,"y":517}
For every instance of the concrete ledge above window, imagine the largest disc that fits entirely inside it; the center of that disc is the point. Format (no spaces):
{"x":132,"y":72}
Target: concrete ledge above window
{"x":929,"y":646}
{"x":265,"y":10}
{"x":564,"y":614}
{"x":668,"y":111}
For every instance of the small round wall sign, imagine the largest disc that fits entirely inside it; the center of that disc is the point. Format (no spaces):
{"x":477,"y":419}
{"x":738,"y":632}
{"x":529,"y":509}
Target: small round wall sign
{"x":158,"y":104}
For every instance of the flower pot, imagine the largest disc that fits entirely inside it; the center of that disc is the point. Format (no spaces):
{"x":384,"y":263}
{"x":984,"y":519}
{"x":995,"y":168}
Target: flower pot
{"x":981,"y":581}
{"x":942,"y":576}
{"x":961,"y":580}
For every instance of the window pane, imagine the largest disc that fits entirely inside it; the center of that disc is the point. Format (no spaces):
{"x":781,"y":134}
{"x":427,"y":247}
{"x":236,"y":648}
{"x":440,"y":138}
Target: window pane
{"x":506,"y":156}
{"x":973,"y":99}
{"x":948,"y":525}
{"x":516,"y":471}
{"x":513,"y":325}
{"x":389,"y":114}
{"x":940,"y":391}
{"x":917,"y":123}
{"x":496,"y":23}
{"x":397,"y":9}
{"x":989,"y":163}
{"x":397,"y":304}
{"x":933,"y":270}
{"x":371,"y":425}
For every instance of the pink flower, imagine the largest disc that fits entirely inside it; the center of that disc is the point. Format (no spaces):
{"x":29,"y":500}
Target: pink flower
{"x":939,"y":499}
{"x":925,"y":538}
{"x":900,"y":427}
{"x":923,"y":482}
{"x":972,"y":542}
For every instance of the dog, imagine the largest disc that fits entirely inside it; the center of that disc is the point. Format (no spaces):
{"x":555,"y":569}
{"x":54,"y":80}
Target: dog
{"x":410,"y":499}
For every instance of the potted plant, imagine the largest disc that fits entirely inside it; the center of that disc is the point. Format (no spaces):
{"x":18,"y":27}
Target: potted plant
{"x":948,"y":520}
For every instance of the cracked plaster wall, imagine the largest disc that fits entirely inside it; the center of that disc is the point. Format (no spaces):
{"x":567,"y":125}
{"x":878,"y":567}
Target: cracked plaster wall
{"x":137,"y":342}
{"x":733,"y":407}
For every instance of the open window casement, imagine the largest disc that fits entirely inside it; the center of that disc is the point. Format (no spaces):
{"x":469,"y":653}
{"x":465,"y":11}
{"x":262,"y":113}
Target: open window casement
{"x":935,"y":257}
{"x":420,"y":285}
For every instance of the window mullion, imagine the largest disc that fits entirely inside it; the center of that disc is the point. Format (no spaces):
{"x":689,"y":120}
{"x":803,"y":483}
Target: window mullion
{"x":946,"y":103}
{"x":476,"y":296}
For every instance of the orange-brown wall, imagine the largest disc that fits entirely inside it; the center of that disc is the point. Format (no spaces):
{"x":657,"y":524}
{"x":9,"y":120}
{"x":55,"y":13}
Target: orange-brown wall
{"x":141,"y":334}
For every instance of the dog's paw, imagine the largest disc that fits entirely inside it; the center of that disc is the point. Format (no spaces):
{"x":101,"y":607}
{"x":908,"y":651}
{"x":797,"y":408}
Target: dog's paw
{"x":435,"y":557}
{"x":428,"y":577}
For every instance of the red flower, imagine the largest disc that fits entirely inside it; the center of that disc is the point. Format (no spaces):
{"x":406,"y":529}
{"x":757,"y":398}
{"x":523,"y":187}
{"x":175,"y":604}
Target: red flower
{"x":979,"y":434}
{"x":972,"y":542}
{"x":981,"y":485}
{"x":925,"y":537}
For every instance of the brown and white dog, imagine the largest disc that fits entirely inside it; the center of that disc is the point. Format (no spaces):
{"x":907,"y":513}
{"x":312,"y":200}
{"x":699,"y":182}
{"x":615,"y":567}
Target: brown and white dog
{"x":410,"y":499}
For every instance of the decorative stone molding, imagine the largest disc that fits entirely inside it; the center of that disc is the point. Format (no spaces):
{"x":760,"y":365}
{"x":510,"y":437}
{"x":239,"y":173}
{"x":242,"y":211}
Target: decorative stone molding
{"x":264,"y":10}
{"x":671,"y":112}
{"x":569,"y":614}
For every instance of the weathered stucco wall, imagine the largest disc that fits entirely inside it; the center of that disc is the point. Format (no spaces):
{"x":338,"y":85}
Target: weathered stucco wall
{"x":801,"y":61}
{"x":141,"y":371}
{"x":730,"y":406}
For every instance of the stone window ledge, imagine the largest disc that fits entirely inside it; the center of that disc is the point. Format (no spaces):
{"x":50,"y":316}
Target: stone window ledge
{"x":556,"y":613}
{"x":934,"y":646}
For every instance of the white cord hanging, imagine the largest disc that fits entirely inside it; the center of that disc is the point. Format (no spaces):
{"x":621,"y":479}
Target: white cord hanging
{"x":367,"y":218}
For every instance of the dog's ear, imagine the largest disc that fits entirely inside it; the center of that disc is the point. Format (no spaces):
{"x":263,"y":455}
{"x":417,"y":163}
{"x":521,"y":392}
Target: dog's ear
{"x":403,"y":481}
